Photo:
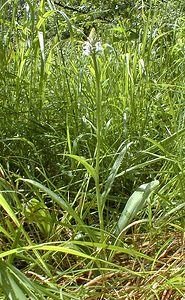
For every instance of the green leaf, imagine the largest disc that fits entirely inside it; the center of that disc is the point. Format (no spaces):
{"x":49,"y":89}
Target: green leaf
{"x":8,"y":209}
{"x":61,"y":202}
{"x":155,"y":143}
{"x":5,"y":233}
{"x":67,"y":21}
{"x":113,"y":172}
{"x":37,"y":212}
{"x":46,"y":247}
{"x":49,"y":62}
{"x":64,"y":249}
{"x":41,"y":42}
{"x":115,"y":248}
{"x":18,"y":291}
{"x":135,"y":204}
{"x":83,"y":161}
{"x":174,"y":211}
{"x":44,"y":17}
{"x":16,"y":285}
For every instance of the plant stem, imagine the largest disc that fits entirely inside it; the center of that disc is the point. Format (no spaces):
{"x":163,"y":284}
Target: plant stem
{"x":98,"y":139}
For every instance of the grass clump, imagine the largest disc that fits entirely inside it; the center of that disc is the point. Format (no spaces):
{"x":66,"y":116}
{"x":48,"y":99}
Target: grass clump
{"x":92,"y":152}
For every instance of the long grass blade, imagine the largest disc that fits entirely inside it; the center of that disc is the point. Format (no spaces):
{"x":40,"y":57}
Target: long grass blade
{"x":8,"y":209}
{"x":113,"y":172}
{"x":61,"y":202}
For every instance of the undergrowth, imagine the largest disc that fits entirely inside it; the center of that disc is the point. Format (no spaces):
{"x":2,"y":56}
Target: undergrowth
{"x":92,"y":122}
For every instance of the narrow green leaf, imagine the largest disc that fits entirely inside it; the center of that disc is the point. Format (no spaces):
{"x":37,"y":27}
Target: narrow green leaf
{"x":174,"y":211}
{"x":44,"y":17}
{"x":5,"y":233}
{"x":83,"y":161}
{"x":49,"y":62}
{"x":179,"y":228}
{"x":45,"y":247}
{"x":140,"y":166}
{"x":115,"y":248}
{"x":10,"y":252}
{"x":8,"y":209}
{"x":19,"y":283}
{"x":69,"y":140}
{"x":64,"y":249}
{"x":61,"y":202}
{"x":41,"y":42}
{"x":67,"y":21}
{"x":155,"y":143}
{"x":113,"y":172}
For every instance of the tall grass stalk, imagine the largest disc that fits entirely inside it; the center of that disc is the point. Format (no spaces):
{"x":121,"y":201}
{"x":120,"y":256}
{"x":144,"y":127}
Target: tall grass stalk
{"x":99,"y":117}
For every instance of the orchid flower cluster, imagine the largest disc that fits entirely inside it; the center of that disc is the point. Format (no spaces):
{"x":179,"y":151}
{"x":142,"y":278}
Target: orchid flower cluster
{"x":92,"y":45}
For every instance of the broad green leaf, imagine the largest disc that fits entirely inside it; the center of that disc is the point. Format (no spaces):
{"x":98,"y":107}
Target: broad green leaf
{"x":16,"y":289}
{"x":37,"y":212}
{"x":135,"y":204}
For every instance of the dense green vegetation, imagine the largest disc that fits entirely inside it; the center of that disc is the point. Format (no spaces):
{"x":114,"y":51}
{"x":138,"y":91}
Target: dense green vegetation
{"x":92,"y":122}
